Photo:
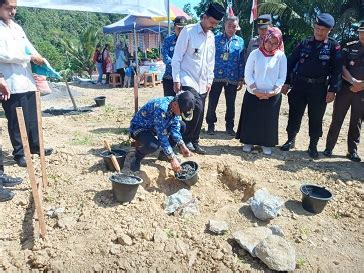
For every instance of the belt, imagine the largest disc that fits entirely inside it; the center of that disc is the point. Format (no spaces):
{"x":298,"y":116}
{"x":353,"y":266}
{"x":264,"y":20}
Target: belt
{"x":312,"y":80}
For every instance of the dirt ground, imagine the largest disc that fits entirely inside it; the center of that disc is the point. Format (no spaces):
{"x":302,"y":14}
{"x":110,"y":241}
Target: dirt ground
{"x":86,"y":236}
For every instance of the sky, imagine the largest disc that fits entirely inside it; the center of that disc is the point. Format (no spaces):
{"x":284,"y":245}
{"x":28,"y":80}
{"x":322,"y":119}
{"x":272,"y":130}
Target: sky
{"x":181,"y":3}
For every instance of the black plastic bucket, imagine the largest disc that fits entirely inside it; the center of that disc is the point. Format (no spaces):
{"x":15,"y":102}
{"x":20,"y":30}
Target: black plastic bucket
{"x":314,"y":198}
{"x":120,"y":157}
{"x":125,"y":187}
{"x":100,"y":101}
{"x":190,"y":176}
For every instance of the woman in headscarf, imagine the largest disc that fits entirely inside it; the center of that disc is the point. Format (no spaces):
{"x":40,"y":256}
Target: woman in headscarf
{"x":265,"y":74}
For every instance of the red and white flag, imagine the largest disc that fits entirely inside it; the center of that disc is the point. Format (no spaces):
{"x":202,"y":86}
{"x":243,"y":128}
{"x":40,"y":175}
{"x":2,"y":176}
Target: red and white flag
{"x":254,"y":12}
{"x":230,"y":11}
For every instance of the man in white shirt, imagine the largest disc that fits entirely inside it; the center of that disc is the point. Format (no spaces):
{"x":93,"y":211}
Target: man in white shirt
{"x":193,"y":68}
{"x":16,"y":53}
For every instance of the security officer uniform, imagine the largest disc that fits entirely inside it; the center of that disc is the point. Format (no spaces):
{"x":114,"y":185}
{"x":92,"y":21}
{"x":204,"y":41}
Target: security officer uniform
{"x":167,"y":52}
{"x":312,"y":68}
{"x":262,"y":22}
{"x":353,"y":60}
{"x":228,"y":72}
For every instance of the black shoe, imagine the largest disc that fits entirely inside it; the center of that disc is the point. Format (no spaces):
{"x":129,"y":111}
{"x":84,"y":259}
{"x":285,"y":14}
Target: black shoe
{"x":6,"y":195}
{"x":47,"y":151}
{"x":230,"y":132}
{"x":312,"y":152}
{"x":21,"y":161}
{"x":211,"y":130}
{"x":290,"y":144}
{"x":190,"y":146}
{"x":327,"y":153}
{"x":163,"y":157}
{"x":199,"y":149}
{"x":8,"y":181}
{"x":135,"y":165}
{"x":353,"y":157}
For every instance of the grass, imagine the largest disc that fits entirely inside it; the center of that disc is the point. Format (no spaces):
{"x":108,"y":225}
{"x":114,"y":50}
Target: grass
{"x":82,"y":139}
{"x":170,"y":233}
{"x":300,"y":262}
{"x":54,"y":177}
{"x":49,"y":197}
{"x":108,"y":109}
{"x":337,"y":215}
{"x":304,"y":231}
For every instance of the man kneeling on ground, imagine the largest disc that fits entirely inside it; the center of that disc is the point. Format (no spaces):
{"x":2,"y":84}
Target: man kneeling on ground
{"x":158,"y":124}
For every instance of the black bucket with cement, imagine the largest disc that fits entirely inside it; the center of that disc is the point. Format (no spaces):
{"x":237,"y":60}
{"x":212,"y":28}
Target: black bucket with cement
{"x":125,"y":187}
{"x":188,"y":173}
{"x":314,"y":198}
{"x":120,"y":157}
{"x":100,"y":101}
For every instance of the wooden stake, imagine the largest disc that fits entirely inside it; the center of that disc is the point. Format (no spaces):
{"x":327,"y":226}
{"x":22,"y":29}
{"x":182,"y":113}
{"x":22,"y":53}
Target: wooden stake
{"x":41,"y":143}
{"x":71,"y":96}
{"x":33,"y":181}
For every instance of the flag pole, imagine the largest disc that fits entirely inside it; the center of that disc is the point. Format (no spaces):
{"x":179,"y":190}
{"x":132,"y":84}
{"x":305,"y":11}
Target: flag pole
{"x":252,"y":29}
{"x":168,"y":18}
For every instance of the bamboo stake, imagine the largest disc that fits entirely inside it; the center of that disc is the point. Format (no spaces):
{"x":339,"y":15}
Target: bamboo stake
{"x":33,"y":181}
{"x":41,"y":143}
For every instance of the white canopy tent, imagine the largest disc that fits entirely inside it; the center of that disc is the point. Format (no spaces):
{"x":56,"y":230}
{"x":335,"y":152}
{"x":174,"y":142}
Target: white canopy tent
{"x":132,"y":7}
{"x":152,"y":8}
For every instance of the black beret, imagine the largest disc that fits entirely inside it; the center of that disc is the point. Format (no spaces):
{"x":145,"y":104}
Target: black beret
{"x":325,"y":20}
{"x":216,"y":11}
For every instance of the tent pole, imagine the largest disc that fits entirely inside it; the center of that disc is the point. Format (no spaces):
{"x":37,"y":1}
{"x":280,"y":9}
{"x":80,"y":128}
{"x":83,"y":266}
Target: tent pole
{"x":159,"y":38}
{"x":136,"y":75}
{"x":168,"y":18}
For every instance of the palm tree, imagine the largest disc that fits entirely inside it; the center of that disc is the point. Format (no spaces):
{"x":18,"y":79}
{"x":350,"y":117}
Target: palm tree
{"x":296,"y":17}
{"x":80,"y":52}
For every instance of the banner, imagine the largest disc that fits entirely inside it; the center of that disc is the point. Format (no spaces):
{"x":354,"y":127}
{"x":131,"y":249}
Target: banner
{"x":151,"y":8}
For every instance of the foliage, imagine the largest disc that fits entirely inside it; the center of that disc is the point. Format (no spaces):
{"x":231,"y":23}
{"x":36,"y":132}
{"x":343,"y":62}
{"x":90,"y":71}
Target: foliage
{"x":49,"y":29}
{"x":187,"y":8}
{"x":80,"y":53}
{"x":295,"y":17}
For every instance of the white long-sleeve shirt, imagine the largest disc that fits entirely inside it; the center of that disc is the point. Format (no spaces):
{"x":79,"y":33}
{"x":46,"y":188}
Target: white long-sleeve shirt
{"x":265,"y":72}
{"x":14,"y":62}
{"x":193,"y":60}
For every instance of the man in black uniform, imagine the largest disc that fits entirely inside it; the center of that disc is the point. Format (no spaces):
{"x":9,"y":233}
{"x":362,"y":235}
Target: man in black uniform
{"x":350,"y":95}
{"x":314,"y":70}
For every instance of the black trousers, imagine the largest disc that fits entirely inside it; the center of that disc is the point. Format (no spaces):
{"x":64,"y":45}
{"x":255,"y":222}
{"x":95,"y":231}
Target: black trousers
{"x":344,"y":100}
{"x":193,"y":127}
{"x":168,"y":87}
{"x":305,"y":94}
{"x":149,"y":143}
{"x":27,"y":102}
{"x":230,"y":96}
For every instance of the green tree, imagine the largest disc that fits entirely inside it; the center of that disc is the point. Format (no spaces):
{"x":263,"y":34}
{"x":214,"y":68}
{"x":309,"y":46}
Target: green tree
{"x":80,"y":53}
{"x":187,"y":8}
{"x":296,"y":17}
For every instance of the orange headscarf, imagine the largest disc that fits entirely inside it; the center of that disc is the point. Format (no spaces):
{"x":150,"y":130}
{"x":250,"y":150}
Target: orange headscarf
{"x":273,"y":32}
